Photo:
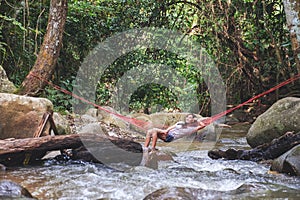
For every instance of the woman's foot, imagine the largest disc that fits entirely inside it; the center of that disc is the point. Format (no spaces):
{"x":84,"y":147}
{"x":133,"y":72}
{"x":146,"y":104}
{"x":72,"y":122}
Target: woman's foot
{"x":153,"y":149}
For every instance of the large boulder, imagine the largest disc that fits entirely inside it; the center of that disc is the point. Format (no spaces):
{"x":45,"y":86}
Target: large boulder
{"x":289,"y":162}
{"x":20,"y":115}
{"x":143,"y":123}
{"x":5,"y":84}
{"x":281,"y":117}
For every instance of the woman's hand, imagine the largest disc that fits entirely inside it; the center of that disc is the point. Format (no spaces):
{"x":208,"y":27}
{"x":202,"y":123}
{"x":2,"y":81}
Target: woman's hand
{"x":203,"y":123}
{"x":206,"y":121}
{"x":201,"y":126}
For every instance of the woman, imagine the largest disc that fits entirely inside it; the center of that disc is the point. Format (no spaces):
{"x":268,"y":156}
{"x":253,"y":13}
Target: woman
{"x":179,"y":130}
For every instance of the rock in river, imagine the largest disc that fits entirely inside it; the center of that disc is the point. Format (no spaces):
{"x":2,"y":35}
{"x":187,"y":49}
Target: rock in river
{"x":9,"y":189}
{"x":289,"y":162}
{"x":281,"y":117}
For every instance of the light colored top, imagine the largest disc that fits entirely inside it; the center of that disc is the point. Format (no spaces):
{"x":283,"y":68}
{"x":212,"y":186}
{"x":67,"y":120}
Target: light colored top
{"x":179,"y":131}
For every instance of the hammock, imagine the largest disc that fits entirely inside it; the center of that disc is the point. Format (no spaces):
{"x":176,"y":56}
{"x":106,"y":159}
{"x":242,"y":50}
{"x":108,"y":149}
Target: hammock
{"x":143,"y":124}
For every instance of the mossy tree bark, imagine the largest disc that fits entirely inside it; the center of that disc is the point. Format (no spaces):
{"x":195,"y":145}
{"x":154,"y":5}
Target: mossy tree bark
{"x":49,"y":51}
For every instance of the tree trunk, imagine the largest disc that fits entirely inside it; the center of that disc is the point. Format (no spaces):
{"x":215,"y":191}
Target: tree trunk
{"x":292,"y":11}
{"x":49,"y":52}
{"x":101,"y":149}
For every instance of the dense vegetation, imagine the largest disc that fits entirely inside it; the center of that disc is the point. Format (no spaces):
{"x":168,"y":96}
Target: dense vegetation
{"x":248,"y":40}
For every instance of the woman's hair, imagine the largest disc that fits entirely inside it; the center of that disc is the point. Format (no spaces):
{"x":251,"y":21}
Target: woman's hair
{"x":194,"y":123}
{"x":194,"y":116}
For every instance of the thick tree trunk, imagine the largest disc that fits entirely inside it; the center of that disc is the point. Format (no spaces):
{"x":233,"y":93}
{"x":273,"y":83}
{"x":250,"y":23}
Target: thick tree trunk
{"x":100,"y":149}
{"x":292,"y":11}
{"x":49,"y":52}
{"x":263,"y":152}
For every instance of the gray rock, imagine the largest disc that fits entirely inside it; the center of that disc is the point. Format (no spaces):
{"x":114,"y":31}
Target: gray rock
{"x":280,"y":118}
{"x":13,"y":190}
{"x":92,"y":128}
{"x":92,"y":112}
{"x":186,"y":193}
{"x":103,"y":112}
{"x":288,"y":163}
{"x":62,"y":124}
{"x":116,"y":121}
{"x":86,"y":119}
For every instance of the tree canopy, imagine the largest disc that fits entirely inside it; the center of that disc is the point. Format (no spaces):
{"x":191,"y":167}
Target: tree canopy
{"x":249,"y":42}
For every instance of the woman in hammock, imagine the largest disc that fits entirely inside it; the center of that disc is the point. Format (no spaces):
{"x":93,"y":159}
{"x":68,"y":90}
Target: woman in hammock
{"x":178,"y":130}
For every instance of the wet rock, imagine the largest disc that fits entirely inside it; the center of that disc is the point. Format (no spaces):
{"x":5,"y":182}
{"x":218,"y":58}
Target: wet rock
{"x":281,"y":117}
{"x":152,"y":158}
{"x":288,"y":163}
{"x":171,"y":193}
{"x":185,"y":193}
{"x":5,"y":85}
{"x":20,"y":115}
{"x":9,"y":189}
{"x":2,"y":167}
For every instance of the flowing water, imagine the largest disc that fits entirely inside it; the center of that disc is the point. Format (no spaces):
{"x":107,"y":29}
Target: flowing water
{"x":192,"y":172}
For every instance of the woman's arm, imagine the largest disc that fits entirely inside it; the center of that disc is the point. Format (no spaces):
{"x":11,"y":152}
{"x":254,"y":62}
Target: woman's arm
{"x":224,"y":125}
{"x":170,"y":128}
{"x":201,"y":125}
{"x":206,"y":121}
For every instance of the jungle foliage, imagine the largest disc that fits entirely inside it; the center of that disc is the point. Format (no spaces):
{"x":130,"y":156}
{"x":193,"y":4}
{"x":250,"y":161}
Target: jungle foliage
{"x":248,"y":41}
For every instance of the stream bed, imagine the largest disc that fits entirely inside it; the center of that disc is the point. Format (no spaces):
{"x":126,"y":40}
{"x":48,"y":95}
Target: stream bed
{"x":192,"y":175}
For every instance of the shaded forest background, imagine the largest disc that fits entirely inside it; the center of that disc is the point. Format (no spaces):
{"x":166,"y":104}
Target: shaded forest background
{"x":249,"y":41}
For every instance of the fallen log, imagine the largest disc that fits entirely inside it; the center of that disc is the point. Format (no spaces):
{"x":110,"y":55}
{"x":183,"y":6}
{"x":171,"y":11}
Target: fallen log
{"x":15,"y":152}
{"x":267,"y":151}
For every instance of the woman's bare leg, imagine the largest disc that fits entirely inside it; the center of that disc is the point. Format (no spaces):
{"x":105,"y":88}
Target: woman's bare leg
{"x":148,"y":138}
{"x":154,"y":140}
{"x":154,"y":133}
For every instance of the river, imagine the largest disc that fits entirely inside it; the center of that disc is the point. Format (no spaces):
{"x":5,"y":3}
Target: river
{"x":192,"y":175}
